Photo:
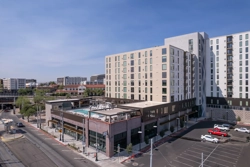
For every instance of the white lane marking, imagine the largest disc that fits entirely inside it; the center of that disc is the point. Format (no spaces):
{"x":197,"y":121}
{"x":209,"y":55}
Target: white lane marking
{"x":238,"y":149}
{"x":215,"y":154}
{"x":229,"y":149}
{"x":209,"y":155}
{"x":223,"y":160}
{"x":220,"y":151}
{"x":192,"y":160}
{"x":188,"y":159}
{"x":216,"y":163}
{"x":79,"y":158}
{"x":182,"y":163}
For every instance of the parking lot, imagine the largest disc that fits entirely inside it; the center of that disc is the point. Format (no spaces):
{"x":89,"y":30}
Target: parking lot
{"x":180,"y":152}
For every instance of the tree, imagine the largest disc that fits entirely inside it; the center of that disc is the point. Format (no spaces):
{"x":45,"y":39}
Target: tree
{"x":61,"y":87}
{"x":68,"y":96}
{"x":21,"y":100}
{"x":172,"y":129}
{"x":52,"y":83}
{"x":28,"y":110}
{"x":238,"y":119}
{"x":87,"y":91}
{"x":129,"y":148}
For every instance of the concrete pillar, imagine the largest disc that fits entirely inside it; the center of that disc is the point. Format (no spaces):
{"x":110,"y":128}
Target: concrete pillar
{"x":79,"y":104}
{"x":109,"y":145}
{"x":76,"y":134}
{"x":2,"y":106}
{"x":143,"y":132}
{"x":158,"y":126}
{"x":128,"y":133}
{"x":169,"y":122}
{"x":86,"y":132}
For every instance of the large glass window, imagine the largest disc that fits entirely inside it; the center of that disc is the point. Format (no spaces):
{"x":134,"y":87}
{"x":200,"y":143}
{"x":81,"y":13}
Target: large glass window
{"x":120,"y":139}
{"x":164,"y":75}
{"x":164,"y":82}
{"x":164,"y":67}
{"x":101,"y":140}
{"x":164,"y":51}
{"x":164,"y":90}
{"x":164,"y":59}
{"x":135,"y":136}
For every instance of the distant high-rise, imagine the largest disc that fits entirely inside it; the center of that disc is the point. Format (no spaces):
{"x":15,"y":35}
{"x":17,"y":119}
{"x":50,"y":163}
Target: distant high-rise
{"x":97,"y":78}
{"x":14,"y":83}
{"x":70,"y":80}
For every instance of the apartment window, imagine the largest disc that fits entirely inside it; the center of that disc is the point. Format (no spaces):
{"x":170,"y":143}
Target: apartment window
{"x":151,"y":90}
{"x":146,"y":90}
{"x":132,"y":83}
{"x":246,"y":36}
{"x":217,"y":47}
{"x":240,"y":76}
{"x":132,"y":96}
{"x":124,"y":63}
{"x":164,"y":59}
{"x":247,"y":96}
{"x":240,"y":95}
{"x":146,"y":75}
{"x":217,"y":58}
{"x":164,"y":51}
{"x":139,"y":54}
{"x":124,"y":76}
{"x":172,"y":51}
{"x":151,"y":83}
{"x":246,"y":49}
{"x":139,"y":83}
{"x":246,"y":82}
{"x":246,"y":76}
{"x":151,"y":61}
{"x":246,"y":43}
{"x":139,"y":62}
{"x":240,"y":44}
{"x":246,"y":89}
{"x":211,"y":42}
{"x":132,"y":76}
{"x":240,"y":69}
{"x":151,"y":54}
{"x":164,"y":98}
{"x":124,"y":89}
{"x":146,"y":62}
{"x":246,"y":56}
{"x":240,"y":103}
{"x":151,"y":67}
{"x":217,"y":41}
{"x":240,"y":63}
{"x":146,"y":68}
{"x":246,"y":69}
{"x":118,"y":58}
{"x":124,"y":57}
{"x":132,"y":62}
{"x":124,"y":70}
{"x":151,"y":98}
{"x":132,"y":69}
{"x":240,"y":50}
{"x":151,"y":75}
{"x":146,"y":53}
{"x":217,"y":53}
{"x":164,"y":90}
{"x":132,"y":89}
{"x":139,"y":69}
{"x":240,"y":82}
{"x":164,"y":67}
{"x":164,"y":82}
{"x":164,"y":75}
{"x":240,"y":37}
{"x":110,"y":59}
{"x":246,"y":62}
{"x":132,"y":56}
{"x":139,"y":75}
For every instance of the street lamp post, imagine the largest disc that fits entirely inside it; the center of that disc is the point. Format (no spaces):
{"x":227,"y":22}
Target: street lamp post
{"x":62,"y":127}
{"x":156,"y":132}
{"x":140,"y":132}
{"x":96,"y":159}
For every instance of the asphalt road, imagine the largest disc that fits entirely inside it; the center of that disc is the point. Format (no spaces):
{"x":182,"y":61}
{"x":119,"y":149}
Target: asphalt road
{"x":58,"y":154}
{"x":186,"y":153}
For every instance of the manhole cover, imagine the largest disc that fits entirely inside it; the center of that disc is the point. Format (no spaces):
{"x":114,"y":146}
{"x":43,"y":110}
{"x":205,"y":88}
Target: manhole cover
{"x":135,"y":164}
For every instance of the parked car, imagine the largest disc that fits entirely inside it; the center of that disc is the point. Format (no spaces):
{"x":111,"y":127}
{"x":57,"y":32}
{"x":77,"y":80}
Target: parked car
{"x":218,"y":132}
{"x":19,"y":124}
{"x":209,"y":138}
{"x":245,"y":130}
{"x":228,"y":125}
{"x":221,"y":127}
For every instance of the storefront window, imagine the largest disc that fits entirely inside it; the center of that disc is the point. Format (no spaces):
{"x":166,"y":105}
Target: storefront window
{"x":121,"y":139}
{"x":101,"y":140}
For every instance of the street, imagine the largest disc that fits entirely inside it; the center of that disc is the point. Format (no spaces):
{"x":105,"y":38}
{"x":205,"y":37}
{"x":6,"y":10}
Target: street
{"x":50,"y":153}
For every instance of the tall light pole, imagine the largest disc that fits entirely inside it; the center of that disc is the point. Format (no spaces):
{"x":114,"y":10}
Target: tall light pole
{"x":62,"y":124}
{"x":151,"y":153}
{"x":156,"y":132}
{"x":83,"y":138}
{"x":140,"y":132}
{"x":227,"y":116}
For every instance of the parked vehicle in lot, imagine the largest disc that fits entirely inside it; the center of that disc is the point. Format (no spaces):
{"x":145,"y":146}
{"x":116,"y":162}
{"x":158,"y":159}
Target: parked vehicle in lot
{"x":228,"y":125}
{"x":221,"y":127}
{"x":19,"y":124}
{"x":209,"y":138}
{"x":217,"y":131}
{"x":245,"y":130}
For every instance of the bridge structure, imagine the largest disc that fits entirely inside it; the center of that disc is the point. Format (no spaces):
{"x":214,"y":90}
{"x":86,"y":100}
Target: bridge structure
{"x":9,"y":99}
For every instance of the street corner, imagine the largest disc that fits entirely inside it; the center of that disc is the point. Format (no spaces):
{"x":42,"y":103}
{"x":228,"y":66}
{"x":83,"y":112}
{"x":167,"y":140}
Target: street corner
{"x":7,"y":138}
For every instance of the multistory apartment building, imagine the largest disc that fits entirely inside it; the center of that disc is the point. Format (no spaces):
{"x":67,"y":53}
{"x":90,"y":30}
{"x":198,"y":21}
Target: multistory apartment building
{"x":162,"y":73}
{"x":229,"y":67}
{"x":70,"y":80}
{"x":97,"y":78}
{"x":14,"y":83}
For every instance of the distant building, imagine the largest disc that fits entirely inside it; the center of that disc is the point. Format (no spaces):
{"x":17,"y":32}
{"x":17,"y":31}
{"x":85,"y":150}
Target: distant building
{"x":97,"y":78}
{"x":31,"y":83}
{"x":1,"y":82}
{"x":91,"y":83}
{"x":14,"y":83}
{"x":70,"y":80}
{"x":79,"y":89}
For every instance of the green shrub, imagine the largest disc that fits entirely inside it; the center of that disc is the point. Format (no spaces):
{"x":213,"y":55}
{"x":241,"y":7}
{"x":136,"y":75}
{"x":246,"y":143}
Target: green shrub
{"x":162,"y":133}
{"x":129,"y":148}
{"x":238,"y":119}
{"x":172,"y":129}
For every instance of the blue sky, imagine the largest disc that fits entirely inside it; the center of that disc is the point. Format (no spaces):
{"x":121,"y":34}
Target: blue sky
{"x":46,"y":39}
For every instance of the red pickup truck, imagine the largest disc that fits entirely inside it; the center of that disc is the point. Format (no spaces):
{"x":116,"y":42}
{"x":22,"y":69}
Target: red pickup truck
{"x":217,"y":131}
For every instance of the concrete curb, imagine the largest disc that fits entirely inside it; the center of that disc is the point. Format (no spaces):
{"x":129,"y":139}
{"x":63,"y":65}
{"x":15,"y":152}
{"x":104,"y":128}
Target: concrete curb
{"x":7,"y":140}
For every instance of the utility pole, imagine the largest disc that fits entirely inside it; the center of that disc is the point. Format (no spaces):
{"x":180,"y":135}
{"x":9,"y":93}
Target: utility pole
{"x":201,"y":159}
{"x":151,"y":152}
{"x":83,"y":138}
{"x":37,"y":116}
{"x":62,"y":127}
{"x":40,"y":120}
